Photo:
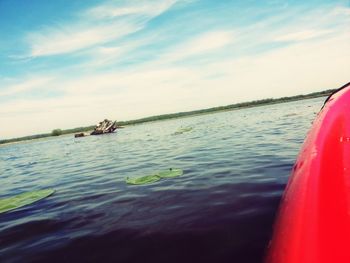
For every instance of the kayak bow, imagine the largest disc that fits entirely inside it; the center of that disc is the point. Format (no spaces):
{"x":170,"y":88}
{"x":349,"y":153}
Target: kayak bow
{"x":313,"y":223}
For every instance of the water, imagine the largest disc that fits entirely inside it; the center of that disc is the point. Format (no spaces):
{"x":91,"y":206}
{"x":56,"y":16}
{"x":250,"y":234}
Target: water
{"x":235,"y":163}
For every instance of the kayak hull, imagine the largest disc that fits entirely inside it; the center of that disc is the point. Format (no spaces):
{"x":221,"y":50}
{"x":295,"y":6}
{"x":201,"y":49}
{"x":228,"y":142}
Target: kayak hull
{"x":313,"y":223}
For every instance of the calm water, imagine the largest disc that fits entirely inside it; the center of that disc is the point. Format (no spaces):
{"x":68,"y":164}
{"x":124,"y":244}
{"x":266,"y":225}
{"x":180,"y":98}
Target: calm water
{"x":235,"y":164}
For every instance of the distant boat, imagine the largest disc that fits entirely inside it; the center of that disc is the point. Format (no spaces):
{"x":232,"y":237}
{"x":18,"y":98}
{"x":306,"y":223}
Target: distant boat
{"x":103,"y":127}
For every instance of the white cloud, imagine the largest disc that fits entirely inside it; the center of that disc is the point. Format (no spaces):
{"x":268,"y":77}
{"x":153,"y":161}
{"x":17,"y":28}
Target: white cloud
{"x":67,"y":40}
{"x":342,"y":11}
{"x":200,"y":45}
{"x":26,"y":85}
{"x":103,"y":56}
{"x":290,"y":26}
{"x":290,"y":70}
{"x":147,"y":8}
{"x":99,"y":25}
{"x":207,"y":42}
{"x":302,"y":35}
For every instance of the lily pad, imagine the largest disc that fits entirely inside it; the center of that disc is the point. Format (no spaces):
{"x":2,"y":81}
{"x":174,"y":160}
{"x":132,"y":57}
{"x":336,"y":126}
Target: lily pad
{"x":183,"y":130}
{"x":17,"y":201}
{"x":148,"y":179}
{"x":170,"y":173}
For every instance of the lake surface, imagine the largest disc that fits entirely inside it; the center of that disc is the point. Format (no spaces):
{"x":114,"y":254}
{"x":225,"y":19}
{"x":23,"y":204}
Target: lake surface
{"x":235,"y":163}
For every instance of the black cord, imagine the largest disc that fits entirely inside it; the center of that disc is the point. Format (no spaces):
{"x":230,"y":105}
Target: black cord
{"x":337,"y":90}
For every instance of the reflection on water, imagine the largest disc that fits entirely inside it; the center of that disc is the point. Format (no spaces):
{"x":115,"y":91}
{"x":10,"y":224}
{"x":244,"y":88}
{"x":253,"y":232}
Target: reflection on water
{"x":235,"y":163}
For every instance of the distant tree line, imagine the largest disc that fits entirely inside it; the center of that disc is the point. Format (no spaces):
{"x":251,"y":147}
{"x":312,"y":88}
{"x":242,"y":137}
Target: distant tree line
{"x":241,"y":105}
{"x":55,"y":132}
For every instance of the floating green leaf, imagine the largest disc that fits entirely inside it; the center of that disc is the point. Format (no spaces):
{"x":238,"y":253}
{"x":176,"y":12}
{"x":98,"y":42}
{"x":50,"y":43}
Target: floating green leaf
{"x":183,"y":130}
{"x":148,"y":179}
{"x":14,"y":202}
{"x":170,"y":173}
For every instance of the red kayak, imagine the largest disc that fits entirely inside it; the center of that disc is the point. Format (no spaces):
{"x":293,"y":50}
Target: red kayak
{"x":313,"y":224}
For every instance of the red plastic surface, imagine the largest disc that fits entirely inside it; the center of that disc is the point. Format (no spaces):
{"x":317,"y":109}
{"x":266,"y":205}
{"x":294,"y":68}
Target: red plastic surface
{"x":313,"y":224}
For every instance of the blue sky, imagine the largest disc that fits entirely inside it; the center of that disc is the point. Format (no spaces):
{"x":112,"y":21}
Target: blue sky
{"x":72,"y":63}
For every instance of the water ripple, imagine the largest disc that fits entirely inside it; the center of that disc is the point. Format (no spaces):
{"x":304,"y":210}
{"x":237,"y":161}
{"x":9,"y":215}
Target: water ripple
{"x":235,"y":163}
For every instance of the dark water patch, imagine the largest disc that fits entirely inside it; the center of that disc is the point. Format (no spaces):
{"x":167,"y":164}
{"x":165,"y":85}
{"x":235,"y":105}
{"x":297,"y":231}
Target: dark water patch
{"x":200,"y":242}
{"x":27,"y":231}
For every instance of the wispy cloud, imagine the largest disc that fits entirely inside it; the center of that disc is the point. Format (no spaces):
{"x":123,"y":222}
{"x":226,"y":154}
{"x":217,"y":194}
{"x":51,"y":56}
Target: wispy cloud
{"x":53,"y":41}
{"x":26,"y":85}
{"x":202,"y":44}
{"x":103,"y":56}
{"x":302,"y":35}
{"x":98,"y":25}
{"x":147,"y":8}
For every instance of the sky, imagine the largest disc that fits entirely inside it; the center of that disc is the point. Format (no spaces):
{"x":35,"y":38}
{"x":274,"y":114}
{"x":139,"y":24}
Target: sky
{"x":67,"y":64}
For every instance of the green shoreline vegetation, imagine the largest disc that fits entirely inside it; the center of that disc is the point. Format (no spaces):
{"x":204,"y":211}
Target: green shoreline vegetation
{"x":242,"y":105}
